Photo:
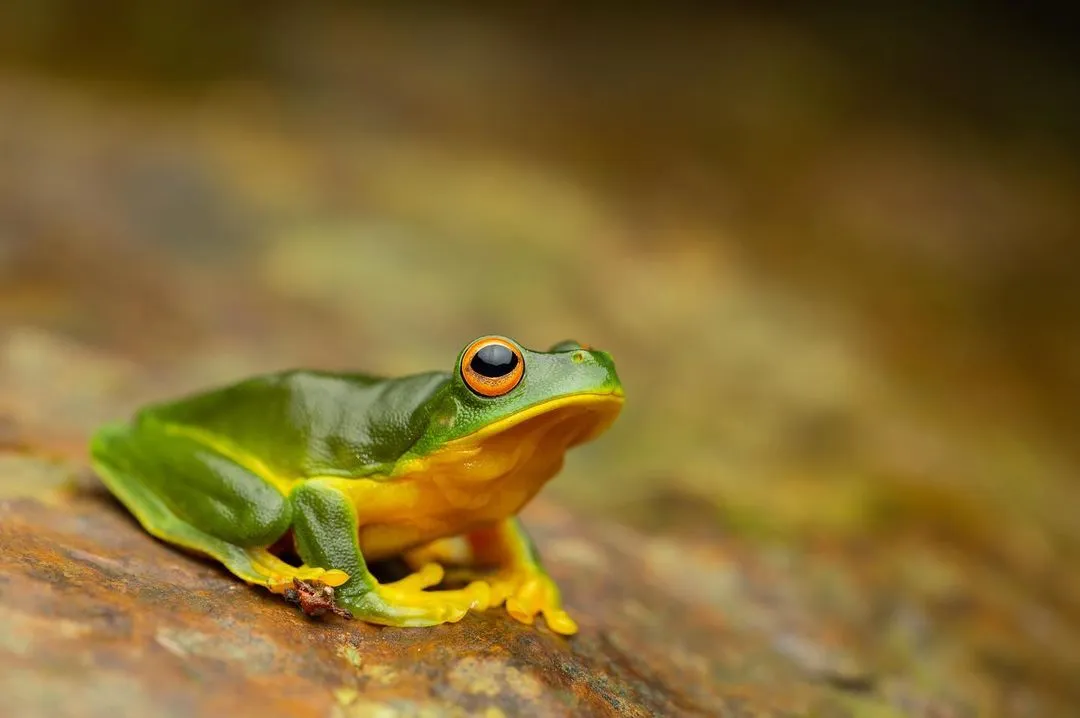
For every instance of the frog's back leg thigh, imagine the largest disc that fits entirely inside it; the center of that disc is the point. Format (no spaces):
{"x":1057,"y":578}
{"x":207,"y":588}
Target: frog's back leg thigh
{"x":191,"y":496}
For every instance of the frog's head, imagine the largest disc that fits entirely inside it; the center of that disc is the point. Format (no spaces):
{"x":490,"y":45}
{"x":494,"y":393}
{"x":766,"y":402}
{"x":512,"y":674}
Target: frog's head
{"x":513,"y":403}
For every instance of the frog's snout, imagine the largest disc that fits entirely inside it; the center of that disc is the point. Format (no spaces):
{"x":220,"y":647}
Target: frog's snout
{"x":598,"y":372}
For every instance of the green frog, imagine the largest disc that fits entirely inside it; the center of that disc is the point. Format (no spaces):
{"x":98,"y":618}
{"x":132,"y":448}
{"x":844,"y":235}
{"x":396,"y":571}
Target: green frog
{"x":343,"y":469}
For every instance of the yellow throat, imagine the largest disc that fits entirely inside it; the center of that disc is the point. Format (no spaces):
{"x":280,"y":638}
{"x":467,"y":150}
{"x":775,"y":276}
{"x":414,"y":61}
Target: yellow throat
{"x":518,"y":454}
{"x":478,"y":479}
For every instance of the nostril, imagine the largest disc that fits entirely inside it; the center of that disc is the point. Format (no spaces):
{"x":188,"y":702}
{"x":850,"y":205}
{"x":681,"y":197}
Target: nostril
{"x":578,"y":356}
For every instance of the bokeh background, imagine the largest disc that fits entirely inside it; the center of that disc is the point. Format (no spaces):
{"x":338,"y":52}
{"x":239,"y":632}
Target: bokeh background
{"x":833,"y":252}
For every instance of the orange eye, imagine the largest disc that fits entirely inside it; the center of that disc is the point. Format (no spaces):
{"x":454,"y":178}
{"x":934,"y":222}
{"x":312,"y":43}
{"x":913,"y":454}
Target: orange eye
{"x":492,"y":366}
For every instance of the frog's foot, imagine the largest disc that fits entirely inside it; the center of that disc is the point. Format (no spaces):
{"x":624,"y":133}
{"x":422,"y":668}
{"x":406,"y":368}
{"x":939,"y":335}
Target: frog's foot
{"x":528,"y":591}
{"x":280,"y":577}
{"x":406,"y":603}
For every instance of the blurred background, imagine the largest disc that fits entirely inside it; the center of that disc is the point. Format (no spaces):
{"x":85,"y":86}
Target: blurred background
{"x":833,"y":252}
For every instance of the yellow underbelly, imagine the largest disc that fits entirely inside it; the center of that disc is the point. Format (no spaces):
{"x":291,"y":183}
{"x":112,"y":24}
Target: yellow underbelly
{"x":419,"y":509}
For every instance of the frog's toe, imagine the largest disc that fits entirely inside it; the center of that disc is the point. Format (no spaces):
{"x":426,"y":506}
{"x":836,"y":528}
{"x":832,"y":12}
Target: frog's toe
{"x":525,"y":610}
{"x":528,"y":594}
{"x":264,"y":568}
{"x":560,"y":622}
{"x":429,"y":575}
{"x":334,"y":577}
{"x":405,"y":606}
{"x":282,"y":581}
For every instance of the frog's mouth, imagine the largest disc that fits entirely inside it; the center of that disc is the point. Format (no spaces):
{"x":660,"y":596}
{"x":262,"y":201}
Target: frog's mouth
{"x":529,"y":443}
{"x":577,"y":418}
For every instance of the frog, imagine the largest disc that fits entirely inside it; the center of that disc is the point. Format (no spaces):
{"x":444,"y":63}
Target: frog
{"x":312,"y":475}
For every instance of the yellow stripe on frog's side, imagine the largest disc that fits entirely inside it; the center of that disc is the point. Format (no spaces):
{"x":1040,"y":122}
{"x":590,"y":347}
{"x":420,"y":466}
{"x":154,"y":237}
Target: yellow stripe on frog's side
{"x":228,"y":450}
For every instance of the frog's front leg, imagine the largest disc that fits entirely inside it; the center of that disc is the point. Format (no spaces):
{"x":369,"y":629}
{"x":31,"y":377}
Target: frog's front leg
{"x":188,"y":494}
{"x":519,"y":579}
{"x":326,"y":530}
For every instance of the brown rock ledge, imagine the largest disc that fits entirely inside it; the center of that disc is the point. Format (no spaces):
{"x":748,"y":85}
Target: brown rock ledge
{"x":99,"y":619}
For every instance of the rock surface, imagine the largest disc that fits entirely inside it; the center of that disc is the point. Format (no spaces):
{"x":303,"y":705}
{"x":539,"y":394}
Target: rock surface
{"x":100,"y":620}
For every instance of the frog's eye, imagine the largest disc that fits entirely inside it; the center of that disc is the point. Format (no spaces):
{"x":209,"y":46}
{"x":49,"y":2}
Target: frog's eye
{"x":492,"y":366}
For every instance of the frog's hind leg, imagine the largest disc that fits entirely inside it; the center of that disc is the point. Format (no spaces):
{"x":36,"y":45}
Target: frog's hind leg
{"x":504,"y":556}
{"x":189,"y":496}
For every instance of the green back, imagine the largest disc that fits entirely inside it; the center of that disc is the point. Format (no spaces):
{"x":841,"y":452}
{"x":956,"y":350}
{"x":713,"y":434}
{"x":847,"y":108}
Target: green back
{"x":305,"y":423}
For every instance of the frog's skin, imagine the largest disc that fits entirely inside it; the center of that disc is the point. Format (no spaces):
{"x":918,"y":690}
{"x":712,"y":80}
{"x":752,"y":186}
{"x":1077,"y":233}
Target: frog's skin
{"x":351,"y":468}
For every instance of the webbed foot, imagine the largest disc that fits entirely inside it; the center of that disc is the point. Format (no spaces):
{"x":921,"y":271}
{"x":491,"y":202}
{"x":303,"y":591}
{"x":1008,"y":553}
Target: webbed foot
{"x":527,"y":591}
{"x":279,"y":576}
{"x":406,"y":603}
{"x":521,"y":583}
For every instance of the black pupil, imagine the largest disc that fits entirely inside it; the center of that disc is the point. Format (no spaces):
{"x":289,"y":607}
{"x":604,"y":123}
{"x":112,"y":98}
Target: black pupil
{"x":494,"y":361}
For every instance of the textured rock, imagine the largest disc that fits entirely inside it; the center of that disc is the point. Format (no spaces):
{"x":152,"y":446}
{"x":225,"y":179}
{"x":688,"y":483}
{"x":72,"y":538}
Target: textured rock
{"x":99,"y":619}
